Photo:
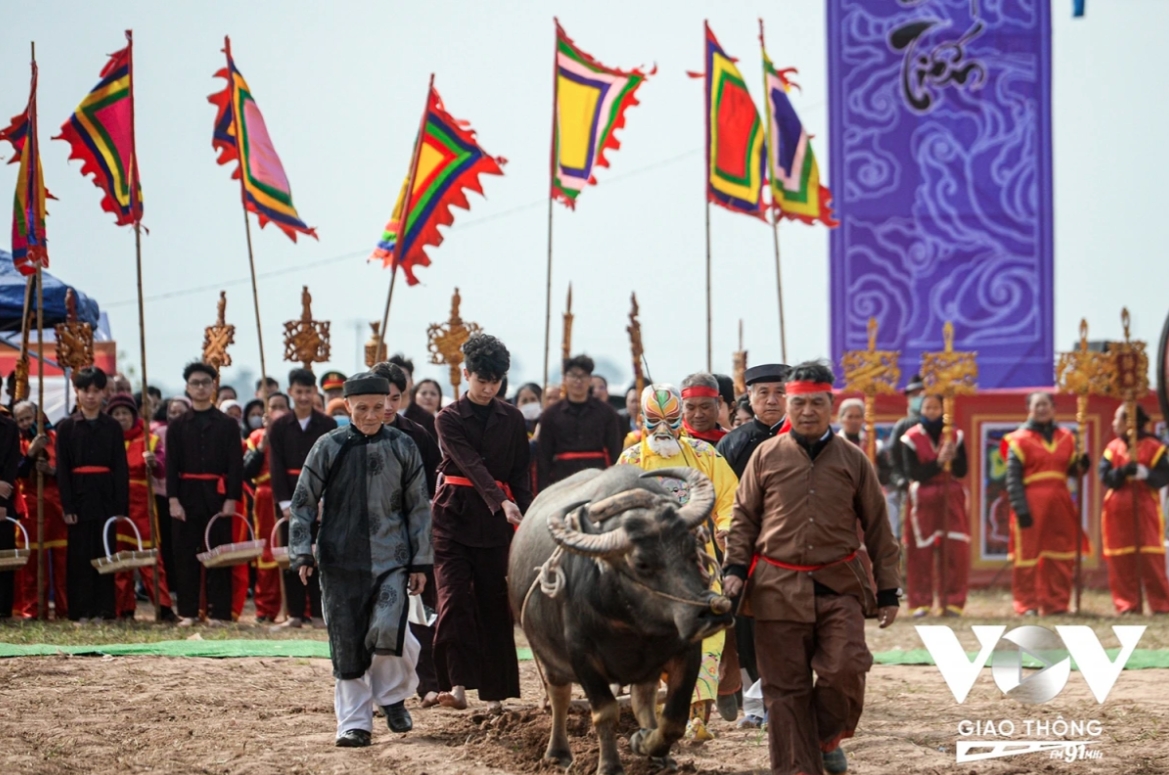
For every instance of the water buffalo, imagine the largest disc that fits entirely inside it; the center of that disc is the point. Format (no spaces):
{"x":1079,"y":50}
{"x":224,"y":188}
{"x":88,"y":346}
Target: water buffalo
{"x":632,"y":601}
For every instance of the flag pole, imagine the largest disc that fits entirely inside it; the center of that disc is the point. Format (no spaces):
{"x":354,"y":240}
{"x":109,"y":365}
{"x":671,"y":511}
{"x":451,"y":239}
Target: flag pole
{"x":42,"y":603}
{"x":404,"y":217}
{"x":779,"y":285}
{"x":706,"y":185}
{"x":243,"y":191}
{"x":551,"y":198}
{"x":135,"y":192}
{"x":774,"y":206}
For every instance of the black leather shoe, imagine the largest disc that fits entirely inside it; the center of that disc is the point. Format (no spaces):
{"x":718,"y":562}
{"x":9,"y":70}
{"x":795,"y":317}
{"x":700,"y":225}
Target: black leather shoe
{"x":353,"y":738}
{"x":398,"y":717}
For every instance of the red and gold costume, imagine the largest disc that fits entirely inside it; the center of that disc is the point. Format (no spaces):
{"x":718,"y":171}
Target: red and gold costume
{"x":1131,"y":505}
{"x":56,"y":533}
{"x":267,"y":592}
{"x":138,"y":442}
{"x":937,"y":514}
{"x":1044,"y":529}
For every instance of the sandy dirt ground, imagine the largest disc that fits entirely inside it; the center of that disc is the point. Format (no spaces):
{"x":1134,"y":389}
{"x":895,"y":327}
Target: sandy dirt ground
{"x":63,"y":715}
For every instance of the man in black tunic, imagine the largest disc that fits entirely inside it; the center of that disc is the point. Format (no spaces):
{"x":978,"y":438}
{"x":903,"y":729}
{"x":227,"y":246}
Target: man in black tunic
{"x":423,"y":628}
{"x":483,"y":491}
{"x":94,"y":481}
{"x":9,"y":461}
{"x":204,"y":477}
{"x":578,"y":433}
{"x":765,"y":388}
{"x":373,"y":548}
{"x":289,"y":440}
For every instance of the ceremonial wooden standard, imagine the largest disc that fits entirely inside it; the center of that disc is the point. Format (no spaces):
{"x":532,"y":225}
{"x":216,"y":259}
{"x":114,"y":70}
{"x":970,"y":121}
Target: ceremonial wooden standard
{"x":636,"y":350}
{"x":1082,"y":373}
{"x":871,"y":372}
{"x":948,"y":374}
{"x":739,"y":358}
{"x":375,"y":347}
{"x":445,"y":341}
{"x":74,"y":338}
{"x":566,"y":340}
{"x":306,"y":341}
{"x":1130,"y":371}
{"x":218,"y":337}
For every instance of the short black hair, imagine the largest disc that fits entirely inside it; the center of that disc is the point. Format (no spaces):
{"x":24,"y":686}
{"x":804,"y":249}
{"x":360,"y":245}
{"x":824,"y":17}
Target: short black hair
{"x":90,"y":376}
{"x":744,"y":404}
{"x":228,"y":387}
{"x":393,"y":372}
{"x":302,"y":377}
{"x":403,"y":363}
{"x":199,"y":367}
{"x":486,"y":356}
{"x":287,"y":400}
{"x":726,"y":390}
{"x":1034,"y":393}
{"x":811,"y":371}
{"x":153,"y":392}
{"x":582,"y":362}
{"x":272,"y":383}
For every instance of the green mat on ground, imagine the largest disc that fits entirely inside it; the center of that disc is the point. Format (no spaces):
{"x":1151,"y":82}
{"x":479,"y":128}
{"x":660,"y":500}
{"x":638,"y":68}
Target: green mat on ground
{"x":215,"y":649}
{"x":319,"y":649}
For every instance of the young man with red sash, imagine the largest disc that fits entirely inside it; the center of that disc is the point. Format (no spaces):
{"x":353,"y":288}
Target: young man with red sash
{"x":1044,"y":520}
{"x":484,"y":488}
{"x":290,"y":438}
{"x":41,"y":454}
{"x":578,"y":433}
{"x":1132,"y":523}
{"x":937,"y":514}
{"x":140,"y":448}
{"x":204,"y":478}
{"x":256,"y":471}
{"x":792,"y":552}
{"x":94,"y":482}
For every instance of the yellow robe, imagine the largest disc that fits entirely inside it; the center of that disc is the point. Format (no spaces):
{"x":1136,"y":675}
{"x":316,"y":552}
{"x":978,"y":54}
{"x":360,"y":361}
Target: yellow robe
{"x":696,"y":453}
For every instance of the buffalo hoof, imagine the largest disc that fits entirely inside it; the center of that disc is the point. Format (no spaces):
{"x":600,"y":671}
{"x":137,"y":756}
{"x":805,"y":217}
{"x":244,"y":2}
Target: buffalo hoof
{"x":610,"y":769}
{"x":562,"y":757}
{"x":639,"y":743}
{"x":664,"y":763}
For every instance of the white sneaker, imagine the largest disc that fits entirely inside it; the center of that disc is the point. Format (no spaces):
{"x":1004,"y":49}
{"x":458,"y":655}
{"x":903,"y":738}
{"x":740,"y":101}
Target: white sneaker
{"x":291,"y":623}
{"x":186,"y":621}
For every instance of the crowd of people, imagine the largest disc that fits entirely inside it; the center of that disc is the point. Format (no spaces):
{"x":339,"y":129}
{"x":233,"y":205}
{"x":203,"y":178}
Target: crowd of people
{"x":396,"y":506}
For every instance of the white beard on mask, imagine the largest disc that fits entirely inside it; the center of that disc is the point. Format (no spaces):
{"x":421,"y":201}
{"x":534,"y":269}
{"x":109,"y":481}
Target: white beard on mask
{"x":664,"y":446}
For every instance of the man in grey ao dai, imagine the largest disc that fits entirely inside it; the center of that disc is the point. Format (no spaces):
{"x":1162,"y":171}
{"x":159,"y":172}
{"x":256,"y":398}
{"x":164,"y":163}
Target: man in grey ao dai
{"x":373,"y":548}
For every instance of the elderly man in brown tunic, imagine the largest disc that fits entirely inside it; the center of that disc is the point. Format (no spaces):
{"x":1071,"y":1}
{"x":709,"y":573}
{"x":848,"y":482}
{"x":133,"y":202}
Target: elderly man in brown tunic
{"x":793,"y":547}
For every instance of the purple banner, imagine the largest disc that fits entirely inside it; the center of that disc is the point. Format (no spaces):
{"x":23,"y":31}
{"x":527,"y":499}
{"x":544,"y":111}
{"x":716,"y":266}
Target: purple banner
{"x":941,"y":176}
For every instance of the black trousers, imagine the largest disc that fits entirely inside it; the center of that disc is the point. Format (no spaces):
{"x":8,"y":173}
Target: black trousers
{"x":190,"y":574}
{"x":425,"y":670}
{"x":302,"y":600}
{"x":474,"y":639}
{"x":166,"y":536}
{"x":7,"y":579}
{"x":90,"y":594}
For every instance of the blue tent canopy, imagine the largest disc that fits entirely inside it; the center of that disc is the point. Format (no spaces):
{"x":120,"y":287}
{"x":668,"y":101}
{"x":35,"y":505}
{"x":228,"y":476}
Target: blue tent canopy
{"x":12,"y":285}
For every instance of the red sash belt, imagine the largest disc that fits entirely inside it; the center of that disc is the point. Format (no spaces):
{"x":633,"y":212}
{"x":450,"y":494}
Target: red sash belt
{"x":799,"y":568}
{"x":220,"y":488}
{"x":602,"y":455}
{"x":462,"y":481}
{"x":293,"y":472}
{"x":91,"y":470}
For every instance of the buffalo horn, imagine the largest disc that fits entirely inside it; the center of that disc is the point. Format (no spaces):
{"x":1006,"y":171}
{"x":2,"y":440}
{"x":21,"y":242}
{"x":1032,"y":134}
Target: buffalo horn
{"x":607,"y":544}
{"x":701,"y":500}
{"x":620,"y":503}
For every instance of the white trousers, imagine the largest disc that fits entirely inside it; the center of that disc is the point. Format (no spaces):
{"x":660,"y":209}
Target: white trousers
{"x":389,"y":680}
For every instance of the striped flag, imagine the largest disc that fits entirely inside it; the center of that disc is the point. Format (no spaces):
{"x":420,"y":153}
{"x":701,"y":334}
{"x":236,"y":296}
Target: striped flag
{"x":29,"y":243}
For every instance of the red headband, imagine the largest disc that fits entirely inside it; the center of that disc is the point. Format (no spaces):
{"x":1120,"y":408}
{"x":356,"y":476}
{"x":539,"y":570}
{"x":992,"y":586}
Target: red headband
{"x":804,"y":388}
{"x":699,"y":391}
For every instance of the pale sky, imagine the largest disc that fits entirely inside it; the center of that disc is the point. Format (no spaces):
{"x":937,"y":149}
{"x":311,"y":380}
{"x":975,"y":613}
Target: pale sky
{"x":342,"y":86}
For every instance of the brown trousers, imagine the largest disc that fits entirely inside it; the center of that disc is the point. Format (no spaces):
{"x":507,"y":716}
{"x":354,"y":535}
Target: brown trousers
{"x":806,"y":719}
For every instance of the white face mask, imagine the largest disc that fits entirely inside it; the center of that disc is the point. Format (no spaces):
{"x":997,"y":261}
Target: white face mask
{"x":531,"y":410}
{"x":256,"y":421}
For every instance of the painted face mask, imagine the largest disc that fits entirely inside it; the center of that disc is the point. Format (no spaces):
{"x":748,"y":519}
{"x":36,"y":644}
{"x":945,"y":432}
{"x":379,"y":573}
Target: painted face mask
{"x":661,"y":414}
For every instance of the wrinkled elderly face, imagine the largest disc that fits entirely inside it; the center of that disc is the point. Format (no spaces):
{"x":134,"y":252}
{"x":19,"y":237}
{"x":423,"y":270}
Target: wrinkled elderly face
{"x":768,"y":402}
{"x":25,"y":417}
{"x":811,"y":413}
{"x":124,"y":417}
{"x":852,"y":419}
{"x":701,"y":414}
{"x":367,"y":412}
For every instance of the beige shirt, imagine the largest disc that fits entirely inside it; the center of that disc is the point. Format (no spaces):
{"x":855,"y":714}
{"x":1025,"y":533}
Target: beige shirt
{"x":803,"y":512}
